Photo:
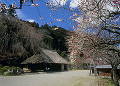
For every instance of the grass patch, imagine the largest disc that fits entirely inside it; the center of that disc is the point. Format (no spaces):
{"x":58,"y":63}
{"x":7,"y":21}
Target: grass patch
{"x":109,"y":82}
{"x":78,"y":84}
{"x":100,"y":81}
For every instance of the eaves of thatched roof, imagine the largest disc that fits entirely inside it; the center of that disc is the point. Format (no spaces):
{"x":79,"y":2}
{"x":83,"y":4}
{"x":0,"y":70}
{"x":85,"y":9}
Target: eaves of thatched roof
{"x":106,"y":66}
{"x":46,"y":56}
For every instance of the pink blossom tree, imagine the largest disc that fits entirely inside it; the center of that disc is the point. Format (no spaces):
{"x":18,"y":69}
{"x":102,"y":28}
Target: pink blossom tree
{"x":97,"y":25}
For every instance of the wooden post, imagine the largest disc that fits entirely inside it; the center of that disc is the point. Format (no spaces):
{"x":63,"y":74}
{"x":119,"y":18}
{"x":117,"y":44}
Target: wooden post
{"x":62,"y":67}
{"x":90,"y":69}
{"x":67,"y":67}
{"x":44,"y":67}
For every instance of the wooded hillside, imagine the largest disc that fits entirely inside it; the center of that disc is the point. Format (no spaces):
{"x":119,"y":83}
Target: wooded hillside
{"x":21,"y":39}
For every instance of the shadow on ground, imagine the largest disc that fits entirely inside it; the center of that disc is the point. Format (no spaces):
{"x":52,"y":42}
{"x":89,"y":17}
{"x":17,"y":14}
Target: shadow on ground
{"x":47,"y":72}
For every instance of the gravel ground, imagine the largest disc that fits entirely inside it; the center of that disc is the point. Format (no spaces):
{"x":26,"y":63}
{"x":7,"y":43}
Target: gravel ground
{"x":68,"y":78}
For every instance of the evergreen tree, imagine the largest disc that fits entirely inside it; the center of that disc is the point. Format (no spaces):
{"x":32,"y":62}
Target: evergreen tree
{"x":58,"y":40}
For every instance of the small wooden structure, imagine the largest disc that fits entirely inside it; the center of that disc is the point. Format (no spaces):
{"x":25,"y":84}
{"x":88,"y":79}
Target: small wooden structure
{"x":47,"y":60}
{"x":103,"y":70}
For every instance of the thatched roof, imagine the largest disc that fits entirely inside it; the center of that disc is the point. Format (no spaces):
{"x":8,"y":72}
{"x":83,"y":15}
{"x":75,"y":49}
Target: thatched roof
{"x":46,"y":56}
{"x":106,"y":66}
{"x":103,"y":66}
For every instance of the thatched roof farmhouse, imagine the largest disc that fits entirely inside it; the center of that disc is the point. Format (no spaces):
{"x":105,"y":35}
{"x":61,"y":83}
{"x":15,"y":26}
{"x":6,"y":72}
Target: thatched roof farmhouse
{"x":46,"y":59}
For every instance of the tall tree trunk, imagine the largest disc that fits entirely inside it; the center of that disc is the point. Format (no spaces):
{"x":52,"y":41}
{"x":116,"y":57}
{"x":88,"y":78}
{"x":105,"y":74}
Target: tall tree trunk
{"x":115,"y":76}
{"x":90,"y":70}
{"x":112,"y":74}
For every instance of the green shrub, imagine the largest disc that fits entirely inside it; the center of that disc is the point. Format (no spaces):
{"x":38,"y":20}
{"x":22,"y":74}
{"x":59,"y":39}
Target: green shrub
{"x":6,"y":70}
{"x":9,"y":74}
{"x":16,"y":70}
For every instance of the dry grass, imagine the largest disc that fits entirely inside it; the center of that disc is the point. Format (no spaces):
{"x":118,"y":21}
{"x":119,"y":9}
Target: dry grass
{"x":100,"y":81}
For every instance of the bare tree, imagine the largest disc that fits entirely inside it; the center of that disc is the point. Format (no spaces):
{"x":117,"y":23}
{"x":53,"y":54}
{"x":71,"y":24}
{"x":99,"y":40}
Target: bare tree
{"x":18,"y":39}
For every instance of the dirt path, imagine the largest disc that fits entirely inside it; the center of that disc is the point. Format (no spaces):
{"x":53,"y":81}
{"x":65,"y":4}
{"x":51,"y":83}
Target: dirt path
{"x":70,"y":78}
